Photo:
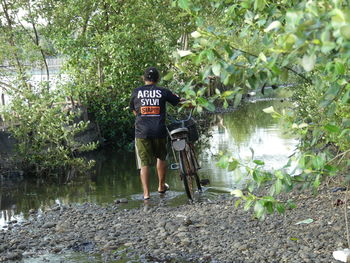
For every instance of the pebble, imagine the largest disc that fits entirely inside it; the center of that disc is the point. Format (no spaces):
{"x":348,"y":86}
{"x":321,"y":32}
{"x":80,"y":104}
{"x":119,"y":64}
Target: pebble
{"x":49,"y":225}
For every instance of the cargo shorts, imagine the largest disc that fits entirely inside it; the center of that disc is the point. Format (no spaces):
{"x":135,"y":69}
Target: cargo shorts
{"x":148,"y":150}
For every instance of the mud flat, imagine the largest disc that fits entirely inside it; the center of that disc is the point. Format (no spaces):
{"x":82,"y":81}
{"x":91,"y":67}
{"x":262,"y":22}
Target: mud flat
{"x":200,"y":232}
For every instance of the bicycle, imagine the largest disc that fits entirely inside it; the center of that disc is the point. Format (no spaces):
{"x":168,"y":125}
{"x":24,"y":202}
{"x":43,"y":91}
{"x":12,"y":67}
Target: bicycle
{"x":183,"y":134}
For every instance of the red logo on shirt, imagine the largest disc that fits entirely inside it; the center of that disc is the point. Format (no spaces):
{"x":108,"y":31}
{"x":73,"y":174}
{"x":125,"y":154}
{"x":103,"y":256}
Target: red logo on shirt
{"x":149,"y":110}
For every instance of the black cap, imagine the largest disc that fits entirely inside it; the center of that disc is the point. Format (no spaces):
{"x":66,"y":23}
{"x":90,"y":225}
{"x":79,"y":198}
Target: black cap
{"x":151,"y":74}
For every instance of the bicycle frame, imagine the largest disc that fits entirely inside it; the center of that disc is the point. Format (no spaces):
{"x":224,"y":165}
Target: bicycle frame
{"x":187,"y":163}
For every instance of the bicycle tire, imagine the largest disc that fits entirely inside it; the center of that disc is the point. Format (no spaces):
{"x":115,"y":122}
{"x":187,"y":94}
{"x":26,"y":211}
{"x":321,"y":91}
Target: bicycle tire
{"x":186,"y":176}
{"x":195,"y":165}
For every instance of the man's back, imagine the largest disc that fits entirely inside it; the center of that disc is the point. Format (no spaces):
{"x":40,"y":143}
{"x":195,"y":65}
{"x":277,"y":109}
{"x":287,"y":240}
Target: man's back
{"x":149,"y":103}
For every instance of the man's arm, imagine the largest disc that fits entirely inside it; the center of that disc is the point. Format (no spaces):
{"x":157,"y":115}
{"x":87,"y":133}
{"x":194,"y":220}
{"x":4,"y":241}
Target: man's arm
{"x":131,"y":104}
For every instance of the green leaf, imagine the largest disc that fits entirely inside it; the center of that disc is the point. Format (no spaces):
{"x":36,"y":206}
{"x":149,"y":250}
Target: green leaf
{"x":344,"y":133}
{"x":327,"y":46}
{"x":273,"y":25}
{"x":233,"y":165}
{"x":330,"y":168}
{"x":291,"y":204}
{"x":216,"y":69}
{"x":262,"y":57}
{"x":259,"y":209}
{"x":259,"y":4}
{"x":210,"y":106}
{"x":345,"y":31}
{"x":317,"y":181}
{"x":237,"y":193}
{"x":237,"y":100}
{"x":280,"y":208}
{"x":168,"y":76}
{"x":184,"y":4}
{"x":269,"y":110}
{"x":338,"y":16}
{"x":318,"y":162}
{"x":227,"y":93}
{"x":278,"y":186}
{"x":339,"y":68}
{"x":225,"y":104}
{"x":332,"y":128}
{"x":308,"y":62}
{"x":269,"y":207}
{"x":238,"y":202}
{"x":223,"y":162}
{"x":346,"y":98}
{"x":287,"y":178}
{"x":248,"y":204}
{"x":259,"y":162}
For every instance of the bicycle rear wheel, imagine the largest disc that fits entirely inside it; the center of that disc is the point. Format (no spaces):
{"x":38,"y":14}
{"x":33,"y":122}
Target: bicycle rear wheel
{"x":194,"y":166}
{"x":186,"y":174}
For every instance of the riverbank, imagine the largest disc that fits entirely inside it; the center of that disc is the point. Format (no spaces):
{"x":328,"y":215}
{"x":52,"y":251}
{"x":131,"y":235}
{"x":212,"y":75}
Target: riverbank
{"x":200,"y":232}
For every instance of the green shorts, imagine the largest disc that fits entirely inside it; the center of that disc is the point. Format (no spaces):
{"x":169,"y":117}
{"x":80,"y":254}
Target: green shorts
{"x":148,"y":150}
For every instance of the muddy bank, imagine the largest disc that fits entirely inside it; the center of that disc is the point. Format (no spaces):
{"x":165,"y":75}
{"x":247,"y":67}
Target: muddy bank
{"x":201,"y":232}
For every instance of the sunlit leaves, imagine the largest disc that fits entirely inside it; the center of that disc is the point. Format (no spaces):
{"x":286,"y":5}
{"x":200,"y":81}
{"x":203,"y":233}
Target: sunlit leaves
{"x":237,"y":193}
{"x":305,"y":43}
{"x":345,"y":31}
{"x":184,"y":4}
{"x":308,"y":62}
{"x":273,"y":25}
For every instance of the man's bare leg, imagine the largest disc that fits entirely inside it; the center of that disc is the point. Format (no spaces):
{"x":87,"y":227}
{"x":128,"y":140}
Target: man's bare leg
{"x":161,"y":171}
{"x":144,"y":174}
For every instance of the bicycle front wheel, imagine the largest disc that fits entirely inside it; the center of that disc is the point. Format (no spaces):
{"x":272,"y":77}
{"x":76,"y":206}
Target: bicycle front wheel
{"x":186,"y":174}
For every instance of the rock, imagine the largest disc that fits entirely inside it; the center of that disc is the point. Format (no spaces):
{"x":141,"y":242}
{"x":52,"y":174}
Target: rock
{"x":56,"y":249}
{"x":3,"y":248}
{"x":187,"y":221}
{"x":122,"y":200}
{"x":56,"y":208}
{"x":32,"y":211}
{"x":49,"y":225}
{"x":63,"y":227}
{"x":22,"y":246}
{"x":342,"y":255}
{"x":13,"y":256}
{"x":185,"y":242}
{"x":110,"y":246}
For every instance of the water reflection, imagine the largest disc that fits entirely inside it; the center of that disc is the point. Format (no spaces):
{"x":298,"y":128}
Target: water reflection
{"x":116,"y":176}
{"x":247,"y":129}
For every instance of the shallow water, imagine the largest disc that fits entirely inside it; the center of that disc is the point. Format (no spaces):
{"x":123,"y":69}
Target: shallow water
{"x":116,"y":176}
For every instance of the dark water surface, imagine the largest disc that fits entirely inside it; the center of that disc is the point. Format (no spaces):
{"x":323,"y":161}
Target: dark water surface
{"x":116,"y":176}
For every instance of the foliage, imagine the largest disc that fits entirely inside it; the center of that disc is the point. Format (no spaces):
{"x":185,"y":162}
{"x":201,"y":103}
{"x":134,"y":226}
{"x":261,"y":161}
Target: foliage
{"x":107,"y":45}
{"x":305,"y":43}
{"x":46,"y":132}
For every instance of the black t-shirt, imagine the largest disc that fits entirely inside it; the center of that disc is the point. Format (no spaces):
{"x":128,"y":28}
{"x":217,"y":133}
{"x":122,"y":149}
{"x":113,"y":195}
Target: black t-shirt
{"x":149,"y":102}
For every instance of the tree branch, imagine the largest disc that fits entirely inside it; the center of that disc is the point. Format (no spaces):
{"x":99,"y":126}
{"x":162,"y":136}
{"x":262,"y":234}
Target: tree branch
{"x":288,"y":68}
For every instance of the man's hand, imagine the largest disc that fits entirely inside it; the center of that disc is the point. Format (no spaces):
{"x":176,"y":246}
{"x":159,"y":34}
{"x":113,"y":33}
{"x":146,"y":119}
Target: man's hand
{"x":186,"y":103}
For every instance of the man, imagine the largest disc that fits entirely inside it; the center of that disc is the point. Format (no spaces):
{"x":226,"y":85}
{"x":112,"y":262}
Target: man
{"x":148,"y":104}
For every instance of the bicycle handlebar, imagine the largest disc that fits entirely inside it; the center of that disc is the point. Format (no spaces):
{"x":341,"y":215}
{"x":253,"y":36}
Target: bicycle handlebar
{"x":174,"y":120}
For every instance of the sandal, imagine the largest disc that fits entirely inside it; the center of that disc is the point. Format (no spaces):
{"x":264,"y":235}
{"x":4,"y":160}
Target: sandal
{"x":166,"y":188}
{"x":146,"y":198}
